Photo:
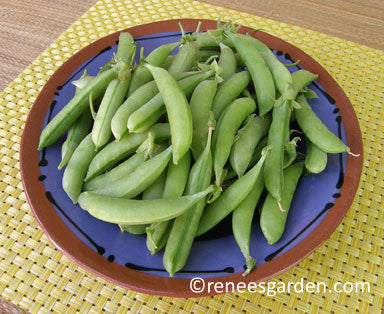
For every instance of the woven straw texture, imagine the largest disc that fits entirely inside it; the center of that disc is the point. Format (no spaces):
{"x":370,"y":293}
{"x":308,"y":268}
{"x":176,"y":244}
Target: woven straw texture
{"x":37,"y":277}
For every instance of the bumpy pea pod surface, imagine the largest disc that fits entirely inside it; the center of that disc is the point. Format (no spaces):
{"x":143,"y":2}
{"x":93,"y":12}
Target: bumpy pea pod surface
{"x":247,"y":138}
{"x":177,"y":176}
{"x":185,"y":226}
{"x":135,"y":212}
{"x":259,"y":71}
{"x":230,"y":198}
{"x":316,"y":131}
{"x":315,"y":158}
{"x":272,"y":219}
{"x":227,"y":127}
{"x":76,"y":106}
{"x":114,"y":152}
{"x":138,"y":180}
{"x":229,"y":91}
{"x":178,"y":111}
{"x":227,"y":62}
{"x":77,"y":168}
{"x":242,"y":218}
{"x":186,"y":58}
{"x":201,"y":104}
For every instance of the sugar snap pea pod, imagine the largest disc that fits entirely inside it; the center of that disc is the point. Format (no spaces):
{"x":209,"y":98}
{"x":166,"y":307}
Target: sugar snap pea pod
{"x":247,"y":138}
{"x":272,"y":219}
{"x":239,"y":60}
{"x":301,"y":79}
{"x":74,"y":108}
{"x":227,"y":127}
{"x":137,"y":99}
{"x":178,"y":111}
{"x":201,"y":104}
{"x":315,"y":158}
{"x":157,"y":57}
{"x":155,"y":191}
{"x":80,"y":128}
{"x":114,"y":152}
{"x":185,"y":226}
{"x":230,"y":198}
{"x":138,"y":180}
{"x":229,"y":91}
{"x":168,"y":61}
{"x":205,"y":54}
{"x":290,"y":152}
{"x":210,"y":38}
{"x":259,"y":71}
{"x":277,"y":134}
{"x":227,"y":62}
{"x":136,"y":212}
{"x":76,"y":169}
{"x":242,"y":218}
{"x":316,"y":131}
{"x":150,"y":112}
{"x":177,"y":176}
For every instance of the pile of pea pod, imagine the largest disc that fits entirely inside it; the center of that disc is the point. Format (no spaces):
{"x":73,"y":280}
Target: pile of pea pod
{"x":171,"y":146}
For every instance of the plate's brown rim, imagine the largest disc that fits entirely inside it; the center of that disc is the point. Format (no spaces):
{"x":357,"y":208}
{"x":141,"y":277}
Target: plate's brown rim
{"x":87,"y":258}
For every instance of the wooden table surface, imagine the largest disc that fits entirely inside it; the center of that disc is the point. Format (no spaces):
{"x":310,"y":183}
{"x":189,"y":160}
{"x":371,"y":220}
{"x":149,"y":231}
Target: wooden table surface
{"x":28,"y":27}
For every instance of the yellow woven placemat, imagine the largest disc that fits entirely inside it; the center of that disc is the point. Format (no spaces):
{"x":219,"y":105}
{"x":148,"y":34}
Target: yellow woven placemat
{"x":37,"y":277}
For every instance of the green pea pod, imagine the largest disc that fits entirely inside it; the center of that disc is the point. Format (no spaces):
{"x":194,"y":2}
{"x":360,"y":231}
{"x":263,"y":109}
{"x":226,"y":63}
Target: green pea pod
{"x":120,"y":171}
{"x":185,"y":226}
{"x":316,"y":131}
{"x":261,"y":75}
{"x":178,"y":111}
{"x":227,"y":62}
{"x":186,"y":58}
{"x":149,"y":113}
{"x":201,"y":104}
{"x":246,"y":141}
{"x":156,"y":58}
{"x":227,"y":127}
{"x":137,"y":99}
{"x":114,"y":152}
{"x":273,"y":169}
{"x":239,"y":60}
{"x":301,"y":79}
{"x":210,"y":38}
{"x":230,"y":198}
{"x":290,"y":152}
{"x":155,"y":191}
{"x":315,"y":158}
{"x":76,"y":169}
{"x":206,"y":54}
{"x":176,"y":180}
{"x":136,"y":212}
{"x":272,"y":218}
{"x":138,"y":180}
{"x":74,"y":108}
{"x":242,"y":218}
{"x":168,"y":61}
{"x":229,"y":91}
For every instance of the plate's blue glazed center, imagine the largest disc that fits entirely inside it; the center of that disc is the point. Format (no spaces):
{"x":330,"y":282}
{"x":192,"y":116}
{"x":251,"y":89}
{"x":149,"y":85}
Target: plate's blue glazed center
{"x":217,"y":253}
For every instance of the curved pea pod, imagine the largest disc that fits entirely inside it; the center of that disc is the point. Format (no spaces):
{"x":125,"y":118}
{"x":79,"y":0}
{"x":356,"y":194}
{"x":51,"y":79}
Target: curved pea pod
{"x":157,"y":57}
{"x":74,"y":108}
{"x":201,"y":104}
{"x":259,"y":71}
{"x":186,"y":58}
{"x":185,"y":226}
{"x":168,"y":61}
{"x":150,"y":112}
{"x":242,"y":218}
{"x":316,"y":131}
{"x":210,"y":38}
{"x":138,"y":98}
{"x":246,"y":141}
{"x":227,"y":62}
{"x":277,"y":135}
{"x":230,"y":198}
{"x":176,"y":179}
{"x":120,"y":171}
{"x":76,"y":169}
{"x":206,"y":54}
{"x":301,"y":79}
{"x":136,"y":212}
{"x":315,"y":158}
{"x":226,"y":130}
{"x":272,"y":219}
{"x":229,"y":91}
{"x":114,"y":152}
{"x":138,"y":180}
{"x":290,"y":152}
{"x":178,"y":111}
{"x":155,"y":191}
